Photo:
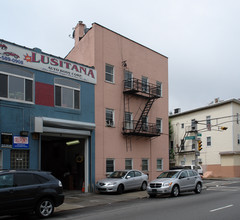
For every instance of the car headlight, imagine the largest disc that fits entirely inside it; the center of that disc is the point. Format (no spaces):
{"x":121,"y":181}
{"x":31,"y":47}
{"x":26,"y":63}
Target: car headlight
{"x":112,"y":184}
{"x":167,"y":184}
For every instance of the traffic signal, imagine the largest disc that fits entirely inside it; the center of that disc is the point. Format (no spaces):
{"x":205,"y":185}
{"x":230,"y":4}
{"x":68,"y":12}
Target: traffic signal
{"x":199,"y":145}
{"x":224,"y":128}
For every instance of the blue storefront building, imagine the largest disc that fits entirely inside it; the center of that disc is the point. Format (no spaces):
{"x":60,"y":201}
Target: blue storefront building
{"x":47,"y":115}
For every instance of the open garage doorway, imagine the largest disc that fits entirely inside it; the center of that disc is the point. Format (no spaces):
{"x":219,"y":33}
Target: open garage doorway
{"x":64,"y":157}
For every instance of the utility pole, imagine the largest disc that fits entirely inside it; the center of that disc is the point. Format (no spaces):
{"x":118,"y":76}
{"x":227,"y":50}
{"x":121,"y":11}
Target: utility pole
{"x":195,"y":141}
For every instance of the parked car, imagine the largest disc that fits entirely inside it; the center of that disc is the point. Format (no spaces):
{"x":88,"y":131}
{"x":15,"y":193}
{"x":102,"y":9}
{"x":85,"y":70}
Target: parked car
{"x":29,"y":191}
{"x":174,"y":182}
{"x":192,"y":167}
{"x":122,"y":180}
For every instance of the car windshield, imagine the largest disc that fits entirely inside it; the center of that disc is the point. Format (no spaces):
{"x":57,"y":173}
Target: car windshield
{"x":117,"y":174}
{"x":170,"y":174}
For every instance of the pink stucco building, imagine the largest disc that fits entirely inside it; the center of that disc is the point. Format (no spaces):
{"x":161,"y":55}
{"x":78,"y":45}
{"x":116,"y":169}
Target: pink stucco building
{"x":131,"y":101}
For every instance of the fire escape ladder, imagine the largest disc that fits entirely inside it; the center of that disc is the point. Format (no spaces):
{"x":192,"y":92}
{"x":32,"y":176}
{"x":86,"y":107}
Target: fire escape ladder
{"x":141,"y":125}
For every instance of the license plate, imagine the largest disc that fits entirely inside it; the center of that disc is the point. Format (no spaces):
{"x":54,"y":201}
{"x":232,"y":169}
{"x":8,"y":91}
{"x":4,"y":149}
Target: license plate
{"x":154,"y":190}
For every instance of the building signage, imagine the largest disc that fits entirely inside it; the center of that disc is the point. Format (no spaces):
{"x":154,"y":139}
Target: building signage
{"x":37,"y":60}
{"x":20,"y":142}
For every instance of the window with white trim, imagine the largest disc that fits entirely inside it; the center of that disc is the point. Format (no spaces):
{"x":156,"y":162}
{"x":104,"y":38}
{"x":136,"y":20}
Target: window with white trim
{"x":109,"y":117}
{"x":144,"y":164}
{"x":145,"y":86}
{"x":67,"y":93}
{"x":159,"y":89}
{"x":128,"y":164}
{"x":159,"y":125}
{"x":208,"y":122}
{"x":128,"y":122}
{"x":128,"y":79}
{"x":109,"y":73}
{"x":160,"y":164}
{"x":209,"y":141}
{"x":109,"y":165}
{"x":16,"y":86}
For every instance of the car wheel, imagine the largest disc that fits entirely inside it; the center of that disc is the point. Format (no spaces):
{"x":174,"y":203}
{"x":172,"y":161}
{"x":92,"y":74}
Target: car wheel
{"x":45,"y":208}
{"x":175,"y":191}
{"x":120,"y":189}
{"x":198,"y":188}
{"x":144,"y":186}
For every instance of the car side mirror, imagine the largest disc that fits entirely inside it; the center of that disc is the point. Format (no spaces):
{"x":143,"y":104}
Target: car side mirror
{"x":128,"y":177}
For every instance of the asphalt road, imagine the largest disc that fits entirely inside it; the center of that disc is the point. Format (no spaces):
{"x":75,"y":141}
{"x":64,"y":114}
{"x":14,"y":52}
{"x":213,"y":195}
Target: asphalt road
{"x":217,"y":202}
{"x":214,"y":203}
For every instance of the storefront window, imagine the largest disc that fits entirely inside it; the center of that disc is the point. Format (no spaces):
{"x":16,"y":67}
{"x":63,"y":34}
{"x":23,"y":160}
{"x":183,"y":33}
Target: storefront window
{"x":19,"y":159}
{"x":16,"y":87}
{"x":67,"y":93}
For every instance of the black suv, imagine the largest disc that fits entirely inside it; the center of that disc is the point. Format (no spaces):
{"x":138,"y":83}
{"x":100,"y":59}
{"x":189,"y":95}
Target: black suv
{"x":29,"y":191}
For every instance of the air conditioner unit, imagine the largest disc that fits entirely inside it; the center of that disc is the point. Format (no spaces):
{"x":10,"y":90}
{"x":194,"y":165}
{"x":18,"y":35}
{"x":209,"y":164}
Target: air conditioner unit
{"x":109,"y":123}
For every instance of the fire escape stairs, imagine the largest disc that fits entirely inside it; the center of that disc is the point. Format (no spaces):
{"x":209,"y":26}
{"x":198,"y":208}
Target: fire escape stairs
{"x":139,"y":125}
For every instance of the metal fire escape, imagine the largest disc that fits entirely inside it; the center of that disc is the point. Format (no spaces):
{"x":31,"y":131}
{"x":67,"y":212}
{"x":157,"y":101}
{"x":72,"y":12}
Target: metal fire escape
{"x":147,"y":92}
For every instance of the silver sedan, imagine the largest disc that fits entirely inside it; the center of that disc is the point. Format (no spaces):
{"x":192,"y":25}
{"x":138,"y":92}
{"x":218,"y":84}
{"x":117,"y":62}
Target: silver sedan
{"x":122,"y":180}
{"x":174,"y":182}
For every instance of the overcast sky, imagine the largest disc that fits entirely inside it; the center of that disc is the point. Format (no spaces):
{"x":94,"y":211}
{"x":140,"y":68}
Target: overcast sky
{"x":201,"y":38}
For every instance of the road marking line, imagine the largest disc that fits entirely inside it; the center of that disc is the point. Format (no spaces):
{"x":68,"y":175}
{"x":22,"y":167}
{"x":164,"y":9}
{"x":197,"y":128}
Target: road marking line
{"x":224,"y":207}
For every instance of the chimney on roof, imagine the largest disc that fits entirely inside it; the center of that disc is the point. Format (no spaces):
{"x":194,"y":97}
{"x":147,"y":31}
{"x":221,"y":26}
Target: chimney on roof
{"x":79,"y":32}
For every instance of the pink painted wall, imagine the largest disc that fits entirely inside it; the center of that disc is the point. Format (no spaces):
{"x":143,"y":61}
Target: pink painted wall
{"x":98,"y":47}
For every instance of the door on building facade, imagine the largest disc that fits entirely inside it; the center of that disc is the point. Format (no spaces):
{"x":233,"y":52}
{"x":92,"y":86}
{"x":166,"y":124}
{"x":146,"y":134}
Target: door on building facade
{"x":64,"y":157}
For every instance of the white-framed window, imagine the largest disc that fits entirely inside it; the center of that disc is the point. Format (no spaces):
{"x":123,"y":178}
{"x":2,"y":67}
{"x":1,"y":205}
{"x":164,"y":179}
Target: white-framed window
{"x":1,"y":160}
{"x":159,"y":88}
{"x":182,"y":125}
{"x":17,"y":86}
{"x":238,"y":139}
{"x":159,"y":125}
{"x":67,"y":93}
{"x":109,"y":73}
{"x":145,"y":86}
{"x":110,"y":165}
{"x":128,"y":164}
{"x":208,"y":122}
{"x":109,"y":117}
{"x":159,"y":164}
{"x":145,"y":123}
{"x":128,"y":79}
{"x":182,"y":162}
{"x":128,"y":123}
{"x":19,"y":159}
{"x":144,"y":164}
{"x":209,"y":141}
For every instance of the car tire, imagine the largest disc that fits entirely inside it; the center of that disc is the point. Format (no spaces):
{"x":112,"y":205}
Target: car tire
{"x":120,"y":189}
{"x":175,"y":191}
{"x":45,"y":208}
{"x":198,"y":188}
{"x":144,"y":186}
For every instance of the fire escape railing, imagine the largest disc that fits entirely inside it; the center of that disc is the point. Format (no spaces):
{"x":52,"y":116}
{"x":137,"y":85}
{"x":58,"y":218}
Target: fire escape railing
{"x":149,"y":91}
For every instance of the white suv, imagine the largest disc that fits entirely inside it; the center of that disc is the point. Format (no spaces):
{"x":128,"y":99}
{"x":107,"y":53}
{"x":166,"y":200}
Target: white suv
{"x":192,"y":167}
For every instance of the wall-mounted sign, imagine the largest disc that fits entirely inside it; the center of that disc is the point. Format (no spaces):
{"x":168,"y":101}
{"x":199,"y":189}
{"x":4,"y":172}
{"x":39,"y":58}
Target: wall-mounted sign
{"x":20,"y":142}
{"x":37,"y":60}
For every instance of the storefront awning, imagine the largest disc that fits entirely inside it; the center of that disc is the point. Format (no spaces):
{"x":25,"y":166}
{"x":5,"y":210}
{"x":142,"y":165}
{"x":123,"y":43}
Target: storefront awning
{"x":55,"y":125}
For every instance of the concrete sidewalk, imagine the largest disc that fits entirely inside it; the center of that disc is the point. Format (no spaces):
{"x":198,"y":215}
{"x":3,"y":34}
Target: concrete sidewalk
{"x":77,"y":199}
